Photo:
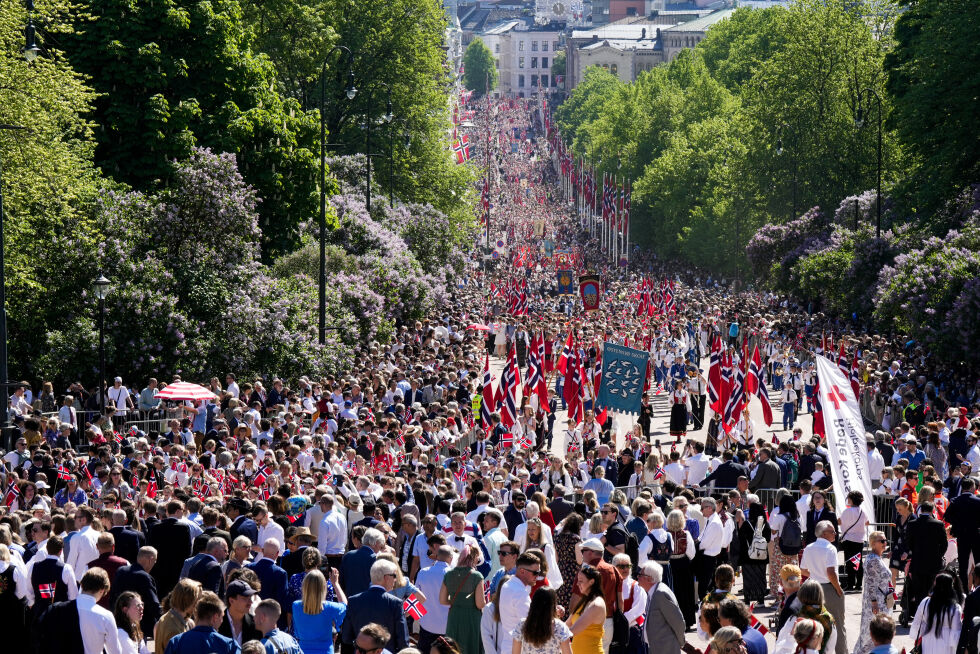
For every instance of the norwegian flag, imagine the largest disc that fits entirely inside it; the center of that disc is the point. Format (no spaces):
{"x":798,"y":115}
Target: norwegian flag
{"x":486,"y":406}
{"x":755,"y":372}
{"x":151,"y":488}
{"x":734,"y":405}
{"x":818,"y":426}
{"x":13,"y":492}
{"x":63,"y":472}
{"x":264,"y":473}
{"x":763,"y":395}
{"x":461,"y":148}
{"x":714,"y":374}
{"x":658,"y":473}
{"x":486,"y":591}
{"x":46,"y":591}
{"x":668,"y":296}
{"x":758,"y":626}
{"x":566,"y":353}
{"x":536,"y":382}
{"x":856,"y":560}
{"x":178,"y":466}
{"x":842,"y":360}
{"x":597,"y":369}
{"x":627,"y":201}
{"x":133,"y":431}
{"x":511,"y":382}
{"x":413,"y":607}
{"x":117,"y":437}
{"x":726,"y":383}
{"x":526,"y":442}
{"x":572,"y":391}
{"x":640,"y":620}
{"x":507,"y":440}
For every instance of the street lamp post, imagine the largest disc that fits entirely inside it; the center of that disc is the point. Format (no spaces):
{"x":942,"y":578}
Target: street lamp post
{"x":101,"y":288}
{"x":859,"y":121}
{"x":350,"y":91}
{"x":779,"y":150}
{"x":386,"y":118}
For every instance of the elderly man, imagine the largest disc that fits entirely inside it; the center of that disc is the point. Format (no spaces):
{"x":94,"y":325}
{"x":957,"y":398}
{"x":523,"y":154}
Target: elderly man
{"x":664,"y":622}
{"x":376,"y":605}
{"x":355,"y":567}
{"x":137,"y":578}
{"x":819,"y":562}
{"x":271,"y":576}
{"x":710,"y":542}
{"x":610,"y":579}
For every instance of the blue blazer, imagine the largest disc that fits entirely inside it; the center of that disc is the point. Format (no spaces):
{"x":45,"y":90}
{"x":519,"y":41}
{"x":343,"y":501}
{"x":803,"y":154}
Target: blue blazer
{"x":245,"y":526}
{"x":355,"y":570}
{"x":207,"y":570}
{"x":202,"y":639}
{"x":273,"y":579}
{"x":375,"y":605}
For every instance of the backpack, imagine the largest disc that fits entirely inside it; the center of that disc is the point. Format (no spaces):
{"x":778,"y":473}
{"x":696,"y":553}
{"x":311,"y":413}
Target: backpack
{"x":758,"y":548}
{"x":791,"y":538}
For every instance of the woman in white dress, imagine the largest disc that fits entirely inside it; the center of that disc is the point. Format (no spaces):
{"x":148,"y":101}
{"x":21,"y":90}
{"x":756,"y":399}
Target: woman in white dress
{"x":500,"y":340}
{"x":535,"y":538}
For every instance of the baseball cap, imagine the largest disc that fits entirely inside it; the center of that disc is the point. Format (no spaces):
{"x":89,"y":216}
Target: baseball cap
{"x":593,"y":544}
{"x":239,"y":588}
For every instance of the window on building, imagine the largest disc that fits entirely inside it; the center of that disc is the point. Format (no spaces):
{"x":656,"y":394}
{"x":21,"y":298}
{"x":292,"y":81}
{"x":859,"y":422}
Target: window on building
{"x":520,"y":62}
{"x":534,"y":81}
{"x":631,"y":11}
{"x":544,"y":81}
{"x":544,"y":46}
{"x":554,"y":46}
{"x":544,"y":62}
{"x":496,"y":48}
{"x":496,"y":63}
{"x":534,"y":46}
{"x":520,"y":81}
{"x":534,"y":62}
{"x":614,"y":69}
{"x":520,"y":46}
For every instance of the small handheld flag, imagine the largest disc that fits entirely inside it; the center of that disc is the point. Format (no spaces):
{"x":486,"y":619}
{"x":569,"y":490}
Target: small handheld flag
{"x":413,"y":607}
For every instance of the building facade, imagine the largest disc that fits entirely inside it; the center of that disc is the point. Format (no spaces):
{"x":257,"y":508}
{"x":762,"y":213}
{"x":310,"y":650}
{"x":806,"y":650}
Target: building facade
{"x":523,"y":53}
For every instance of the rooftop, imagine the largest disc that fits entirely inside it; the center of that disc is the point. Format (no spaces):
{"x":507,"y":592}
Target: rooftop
{"x":703,"y":23}
{"x":625,"y":44}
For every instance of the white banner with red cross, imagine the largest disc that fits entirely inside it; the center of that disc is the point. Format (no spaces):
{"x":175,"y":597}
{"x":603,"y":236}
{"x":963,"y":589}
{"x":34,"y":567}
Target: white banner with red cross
{"x":846,"y":438}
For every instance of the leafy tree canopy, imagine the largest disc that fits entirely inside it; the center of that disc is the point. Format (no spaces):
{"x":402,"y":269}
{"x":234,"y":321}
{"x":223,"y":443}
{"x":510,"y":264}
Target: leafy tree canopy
{"x":480,"y":74}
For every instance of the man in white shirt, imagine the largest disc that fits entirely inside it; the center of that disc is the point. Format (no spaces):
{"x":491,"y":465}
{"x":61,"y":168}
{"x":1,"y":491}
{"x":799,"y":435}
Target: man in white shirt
{"x":269,"y":529}
{"x":876,"y":463}
{"x":710,"y":542}
{"x":97,"y":625}
{"x":819,"y":562}
{"x":118,"y":395}
{"x":52,"y":550}
{"x":429,"y":581}
{"x":697,"y":465}
{"x":331,"y":532}
{"x":232,"y":386}
{"x":515,"y":598}
{"x":83,"y":548}
{"x":493,"y":537}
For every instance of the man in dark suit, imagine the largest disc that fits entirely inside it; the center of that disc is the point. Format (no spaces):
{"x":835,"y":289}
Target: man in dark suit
{"x":128,"y":540}
{"x":137,"y":578}
{"x":767,"y":474}
{"x":210,"y":517}
{"x":271,"y":576}
{"x":927,"y":545}
{"x":207,"y":570}
{"x":377,"y":605}
{"x":242,"y":525}
{"x":560,"y":507}
{"x":726,"y":475}
{"x":299,"y":540}
{"x":239,"y":600}
{"x":355,"y":567}
{"x":603,"y":459}
{"x":808,"y":461}
{"x":963,"y":516}
{"x":481,"y":445}
{"x":172,"y":540}
{"x":514,"y":514}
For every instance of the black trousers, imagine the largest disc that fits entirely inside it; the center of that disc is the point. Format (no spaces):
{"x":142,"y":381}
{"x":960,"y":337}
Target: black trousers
{"x":698,"y":403}
{"x":855,"y":575}
{"x":917,"y":587}
{"x":704,"y":572}
{"x":965,"y":547}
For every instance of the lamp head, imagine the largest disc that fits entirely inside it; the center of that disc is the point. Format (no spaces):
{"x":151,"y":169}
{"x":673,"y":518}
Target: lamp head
{"x":101,"y":287}
{"x":31,"y":51}
{"x":859,"y":119}
{"x":351,"y":89}
{"x":779,"y":146}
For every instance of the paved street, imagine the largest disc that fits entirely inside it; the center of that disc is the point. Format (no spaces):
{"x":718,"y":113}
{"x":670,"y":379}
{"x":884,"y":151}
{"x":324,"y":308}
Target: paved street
{"x":660,"y":429}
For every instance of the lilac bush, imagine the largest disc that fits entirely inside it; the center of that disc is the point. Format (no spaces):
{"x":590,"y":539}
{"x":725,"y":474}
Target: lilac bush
{"x":774,"y":249}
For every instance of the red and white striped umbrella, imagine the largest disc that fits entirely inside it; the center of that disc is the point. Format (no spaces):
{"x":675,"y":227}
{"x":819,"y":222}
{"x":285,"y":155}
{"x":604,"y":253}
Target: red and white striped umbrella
{"x":185,"y":391}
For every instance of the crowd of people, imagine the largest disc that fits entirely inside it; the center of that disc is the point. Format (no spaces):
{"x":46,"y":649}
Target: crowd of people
{"x":382,"y":510}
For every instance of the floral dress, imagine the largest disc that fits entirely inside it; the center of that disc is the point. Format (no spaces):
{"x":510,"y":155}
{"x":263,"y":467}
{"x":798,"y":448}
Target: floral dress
{"x":565,"y":549}
{"x":877,"y":586}
{"x":553,"y":646}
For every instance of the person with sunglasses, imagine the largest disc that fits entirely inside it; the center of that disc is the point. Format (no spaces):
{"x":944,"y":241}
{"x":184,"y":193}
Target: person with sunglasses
{"x":877,"y":588}
{"x":515,"y":598}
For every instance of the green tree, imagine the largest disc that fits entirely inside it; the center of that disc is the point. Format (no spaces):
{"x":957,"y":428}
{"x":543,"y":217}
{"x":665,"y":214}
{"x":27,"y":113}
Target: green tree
{"x":176,"y":74}
{"x":558,"y":63}
{"x":586,"y":101}
{"x":480,"y":67}
{"x":934,"y":81}
{"x":49,"y":182}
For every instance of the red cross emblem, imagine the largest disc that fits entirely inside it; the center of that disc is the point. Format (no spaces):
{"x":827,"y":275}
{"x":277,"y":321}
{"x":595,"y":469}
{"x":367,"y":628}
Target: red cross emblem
{"x":837,"y":397}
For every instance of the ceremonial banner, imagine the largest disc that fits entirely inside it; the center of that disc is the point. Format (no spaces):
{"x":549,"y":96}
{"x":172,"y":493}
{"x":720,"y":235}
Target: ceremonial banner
{"x":590,"y":289}
{"x":845,"y":435}
{"x":566,"y":282}
{"x":623,"y":374}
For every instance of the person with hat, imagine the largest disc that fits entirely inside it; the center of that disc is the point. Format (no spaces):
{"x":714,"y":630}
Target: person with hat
{"x":237,"y":621}
{"x":611,"y":582}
